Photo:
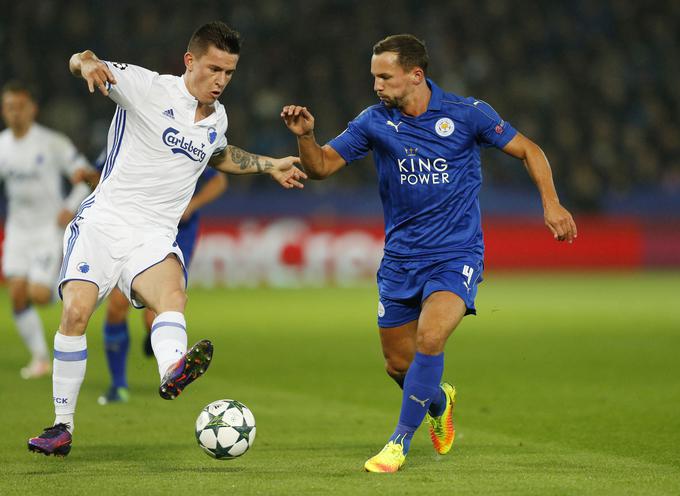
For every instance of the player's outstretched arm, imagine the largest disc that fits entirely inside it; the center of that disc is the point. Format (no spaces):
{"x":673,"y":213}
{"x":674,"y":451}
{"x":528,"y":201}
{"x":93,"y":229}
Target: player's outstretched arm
{"x":88,"y":66}
{"x":234,"y":160}
{"x":318,"y":161}
{"x":557,"y":218}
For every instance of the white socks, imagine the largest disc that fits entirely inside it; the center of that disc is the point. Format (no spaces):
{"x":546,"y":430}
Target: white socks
{"x":168,"y":339}
{"x":70,"y":359}
{"x":31,"y":331}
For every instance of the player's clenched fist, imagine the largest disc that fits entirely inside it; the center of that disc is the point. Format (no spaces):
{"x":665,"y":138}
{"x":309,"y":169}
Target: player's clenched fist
{"x":298,"y":119}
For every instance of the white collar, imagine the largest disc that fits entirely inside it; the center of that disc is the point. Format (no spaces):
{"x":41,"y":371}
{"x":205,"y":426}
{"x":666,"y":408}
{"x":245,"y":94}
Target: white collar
{"x":182,"y":85}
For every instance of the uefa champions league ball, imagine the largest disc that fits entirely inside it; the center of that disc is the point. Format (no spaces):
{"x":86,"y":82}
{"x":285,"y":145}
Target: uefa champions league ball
{"x":225,"y":429}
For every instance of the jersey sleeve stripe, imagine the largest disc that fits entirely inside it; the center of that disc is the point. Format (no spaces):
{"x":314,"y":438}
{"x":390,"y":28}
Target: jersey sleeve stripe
{"x":118,"y":139}
{"x":116,"y":131}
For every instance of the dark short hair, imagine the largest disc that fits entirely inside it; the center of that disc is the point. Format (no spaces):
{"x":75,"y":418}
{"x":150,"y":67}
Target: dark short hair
{"x":214,"y":33}
{"x":411,"y":51}
{"x":16,"y":86}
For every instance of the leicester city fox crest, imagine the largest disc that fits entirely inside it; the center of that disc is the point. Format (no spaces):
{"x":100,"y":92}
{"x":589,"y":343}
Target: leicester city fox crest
{"x":212,"y":135}
{"x":444,"y":127}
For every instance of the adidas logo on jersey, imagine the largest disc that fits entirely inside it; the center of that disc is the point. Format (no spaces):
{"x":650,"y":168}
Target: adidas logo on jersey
{"x":169,"y":113}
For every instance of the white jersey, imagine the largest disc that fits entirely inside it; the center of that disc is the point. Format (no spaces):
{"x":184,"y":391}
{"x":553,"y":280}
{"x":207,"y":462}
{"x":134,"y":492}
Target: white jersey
{"x":33,"y":168}
{"x":155,"y":151}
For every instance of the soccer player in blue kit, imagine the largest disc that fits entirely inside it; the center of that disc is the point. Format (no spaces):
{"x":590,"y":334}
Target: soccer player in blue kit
{"x":426,"y":147}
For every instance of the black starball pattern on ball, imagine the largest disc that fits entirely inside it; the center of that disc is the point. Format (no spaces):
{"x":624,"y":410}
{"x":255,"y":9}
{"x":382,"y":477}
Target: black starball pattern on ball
{"x":225,"y":429}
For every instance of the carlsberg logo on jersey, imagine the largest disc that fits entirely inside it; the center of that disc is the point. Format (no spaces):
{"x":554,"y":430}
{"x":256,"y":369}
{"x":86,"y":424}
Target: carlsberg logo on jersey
{"x":179,"y":144}
{"x":415,"y":170}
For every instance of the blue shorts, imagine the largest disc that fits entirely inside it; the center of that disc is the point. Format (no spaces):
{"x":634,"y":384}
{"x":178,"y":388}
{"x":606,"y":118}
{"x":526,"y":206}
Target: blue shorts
{"x":404,"y":285}
{"x":186,"y":240}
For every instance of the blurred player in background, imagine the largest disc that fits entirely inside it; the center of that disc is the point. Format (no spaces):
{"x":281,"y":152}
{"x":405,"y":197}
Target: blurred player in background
{"x":210,"y":186}
{"x":165,"y":131}
{"x":426,"y":146}
{"x":33,"y":162}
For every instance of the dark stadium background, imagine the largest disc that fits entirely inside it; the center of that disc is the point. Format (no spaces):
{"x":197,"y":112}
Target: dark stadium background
{"x":594,"y":83}
{"x":567,"y":378}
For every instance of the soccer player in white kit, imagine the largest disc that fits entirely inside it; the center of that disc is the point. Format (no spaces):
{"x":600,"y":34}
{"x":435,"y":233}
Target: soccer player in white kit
{"x":165,"y":131}
{"x":33,"y":162}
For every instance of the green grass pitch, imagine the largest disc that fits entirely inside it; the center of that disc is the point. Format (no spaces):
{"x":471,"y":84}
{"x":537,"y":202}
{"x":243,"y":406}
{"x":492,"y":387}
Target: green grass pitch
{"x":567,"y":385}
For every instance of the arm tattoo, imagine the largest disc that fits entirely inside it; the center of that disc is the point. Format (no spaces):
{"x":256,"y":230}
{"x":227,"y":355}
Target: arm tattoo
{"x":247,"y":161}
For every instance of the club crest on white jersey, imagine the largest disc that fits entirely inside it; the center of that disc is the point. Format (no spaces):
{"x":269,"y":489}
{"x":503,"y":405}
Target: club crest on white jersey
{"x":212,"y":135}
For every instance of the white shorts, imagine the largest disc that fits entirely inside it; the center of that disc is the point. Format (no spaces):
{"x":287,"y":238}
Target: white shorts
{"x":31,"y":256}
{"x":111,"y":256}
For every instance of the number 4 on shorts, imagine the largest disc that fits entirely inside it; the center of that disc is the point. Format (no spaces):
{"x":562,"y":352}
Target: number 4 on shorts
{"x":467,"y":272}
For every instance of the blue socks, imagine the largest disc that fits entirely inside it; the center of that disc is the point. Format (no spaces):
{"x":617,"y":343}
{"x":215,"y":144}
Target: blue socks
{"x":117,"y":344}
{"x":438,"y":404}
{"x":421,"y":387}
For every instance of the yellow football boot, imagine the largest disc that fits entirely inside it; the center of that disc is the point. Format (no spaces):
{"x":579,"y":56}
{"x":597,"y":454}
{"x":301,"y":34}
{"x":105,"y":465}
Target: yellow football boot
{"x":442,"y":431}
{"x":389,"y":460}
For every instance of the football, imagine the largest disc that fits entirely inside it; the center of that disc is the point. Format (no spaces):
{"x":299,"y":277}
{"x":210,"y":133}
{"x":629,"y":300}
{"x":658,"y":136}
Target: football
{"x":225,"y":429}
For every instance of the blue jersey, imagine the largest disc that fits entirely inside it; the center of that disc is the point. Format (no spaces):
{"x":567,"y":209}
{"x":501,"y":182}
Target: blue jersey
{"x":429,"y":170}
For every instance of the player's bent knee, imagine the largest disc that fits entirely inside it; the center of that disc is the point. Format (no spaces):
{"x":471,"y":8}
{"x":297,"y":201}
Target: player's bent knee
{"x":397,"y":374}
{"x":430,"y":343}
{"x":430,"y":347}
{"x":396,"y":366}
{"x":18,"y":307}
{"x":179,"y":299}
{"x":174,"y":300}
{"x":39,"y":295}
{"x":74,"y":318}
{"x":18,"y":294}
{"x":19,"y":302}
